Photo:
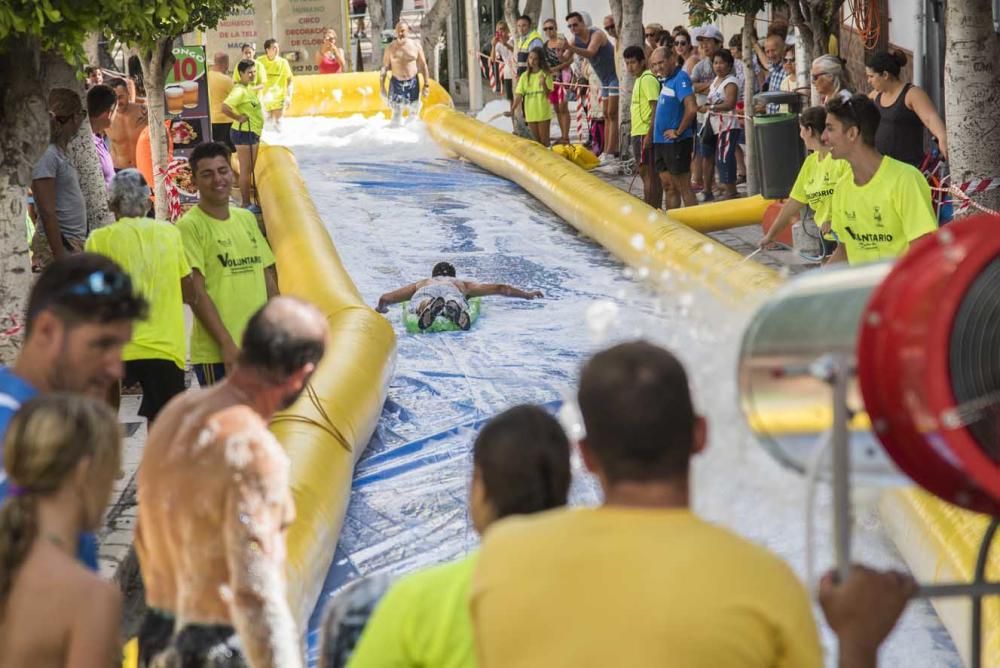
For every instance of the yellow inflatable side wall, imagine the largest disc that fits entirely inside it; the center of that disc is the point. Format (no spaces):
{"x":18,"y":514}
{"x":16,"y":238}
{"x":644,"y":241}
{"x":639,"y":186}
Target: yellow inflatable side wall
{"x":940,"y":544}
{"x":723,"y":215}
{"x":328,"y":427}
{"x":349,"y":94}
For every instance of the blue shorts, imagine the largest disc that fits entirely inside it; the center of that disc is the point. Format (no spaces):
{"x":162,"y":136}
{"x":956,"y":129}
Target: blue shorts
{"x":404,"y":91}
{"x":610,"y":86}
{"x":243,"y":137}
{"x":209,"y":374}
{"x":704,"y":145}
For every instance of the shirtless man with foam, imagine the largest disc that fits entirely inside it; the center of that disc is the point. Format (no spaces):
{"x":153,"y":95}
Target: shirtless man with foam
{"x":214,"y":504}
{"x":127,"y":123}
{"x":442,"y":292}
{"x":404,"y":58}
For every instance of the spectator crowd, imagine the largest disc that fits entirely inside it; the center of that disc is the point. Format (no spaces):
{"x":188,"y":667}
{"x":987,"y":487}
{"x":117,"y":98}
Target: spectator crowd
{"x":640,"y":580}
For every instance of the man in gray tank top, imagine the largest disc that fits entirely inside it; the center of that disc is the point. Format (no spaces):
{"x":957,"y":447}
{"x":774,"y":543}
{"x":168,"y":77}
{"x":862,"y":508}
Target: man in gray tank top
{"x":594,"y":45}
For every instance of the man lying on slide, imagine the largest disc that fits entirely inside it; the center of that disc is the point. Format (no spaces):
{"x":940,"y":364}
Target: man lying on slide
{"x":443,"y":292}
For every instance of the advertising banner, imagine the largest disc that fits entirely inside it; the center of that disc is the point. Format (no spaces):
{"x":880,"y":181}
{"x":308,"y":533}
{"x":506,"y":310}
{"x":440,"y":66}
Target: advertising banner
{"x":186,"y":99}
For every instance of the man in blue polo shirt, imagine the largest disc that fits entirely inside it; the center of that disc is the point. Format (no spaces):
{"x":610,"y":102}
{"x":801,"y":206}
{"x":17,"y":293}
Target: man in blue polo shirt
{"x":673,"y":135}
{"x":79,"y":319}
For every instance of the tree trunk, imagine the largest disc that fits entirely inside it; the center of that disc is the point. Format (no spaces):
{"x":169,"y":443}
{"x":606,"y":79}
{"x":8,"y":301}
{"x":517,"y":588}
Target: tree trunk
{"x":24,"y":133}
{"x":815,"y":21}
{"x":627,"y":15}
{"x":753,"y":184}
{"x":376,"y":14}
{"x":432,"y":26}
{"x":511,"y":11}
{"x":83,"y":156}
{"x":972,"y":63}
{"x":533,"y":8}
{"x":397,"y":12}
{"x":155,"y":64}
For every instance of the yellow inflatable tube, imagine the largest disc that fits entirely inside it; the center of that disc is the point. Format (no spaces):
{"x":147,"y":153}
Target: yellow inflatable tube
{"x":638,"y":234}
{"x":717,"y":216}
{"x":349,"y":94}
{"x":326,"y":430}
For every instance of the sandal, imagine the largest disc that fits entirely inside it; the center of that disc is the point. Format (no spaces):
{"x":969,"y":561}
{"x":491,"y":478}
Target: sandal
{"x":428,"y":315}
{"x":458,"y":315}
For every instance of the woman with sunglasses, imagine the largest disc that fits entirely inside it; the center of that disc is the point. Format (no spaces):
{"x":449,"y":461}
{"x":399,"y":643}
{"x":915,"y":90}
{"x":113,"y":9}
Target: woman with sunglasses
{"x":684,"y":48}
{"x":558,"y":65}
{"x":330,"y":57}
{"x":790,"y":84}
{"x":830,"y":79}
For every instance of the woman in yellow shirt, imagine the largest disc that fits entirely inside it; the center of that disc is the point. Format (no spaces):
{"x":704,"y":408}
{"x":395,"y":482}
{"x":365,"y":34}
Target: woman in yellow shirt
{"x":243,"y":107}
{"x":521,"y":465}
{"x":815,"y":183}
{"x":533,"y":88}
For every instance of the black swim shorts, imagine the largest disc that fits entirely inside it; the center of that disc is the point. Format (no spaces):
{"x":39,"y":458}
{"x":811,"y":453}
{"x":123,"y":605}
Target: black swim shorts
{"x":675,"y":157}
{"x":404,"y":91}
{"x":194,"y":646}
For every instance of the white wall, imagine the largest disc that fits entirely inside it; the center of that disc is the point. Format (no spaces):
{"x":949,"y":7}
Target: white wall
{"x":903,"y":25}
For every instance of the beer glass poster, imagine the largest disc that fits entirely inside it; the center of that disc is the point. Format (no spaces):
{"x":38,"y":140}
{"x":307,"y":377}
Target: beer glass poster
{"x":186,"y":99}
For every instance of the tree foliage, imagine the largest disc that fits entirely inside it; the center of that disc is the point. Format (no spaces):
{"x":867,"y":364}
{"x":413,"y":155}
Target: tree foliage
{"x":145,"y":24}
{"x":706,"y":11}
{"x":60,"y":26}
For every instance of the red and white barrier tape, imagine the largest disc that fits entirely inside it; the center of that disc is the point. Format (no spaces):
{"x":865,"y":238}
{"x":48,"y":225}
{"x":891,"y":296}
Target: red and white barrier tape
{"x":169,"y":176}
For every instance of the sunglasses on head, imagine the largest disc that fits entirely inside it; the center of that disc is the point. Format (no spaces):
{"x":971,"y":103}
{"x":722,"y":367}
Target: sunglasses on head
{"x":101,"y":284}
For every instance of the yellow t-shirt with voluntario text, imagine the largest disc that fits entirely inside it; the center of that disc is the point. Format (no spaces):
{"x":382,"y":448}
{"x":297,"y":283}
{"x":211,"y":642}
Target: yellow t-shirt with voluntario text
{"x":243,"y":100}
{"x":152,"y":254}
{"x":231,"y":255}
{"x":423,"y":620}
{"x":219,"y":86}
{"x":646,"y":90}
{"x":612,"y":586}
{"x":878,"y":220}
{"x":816,"y":181}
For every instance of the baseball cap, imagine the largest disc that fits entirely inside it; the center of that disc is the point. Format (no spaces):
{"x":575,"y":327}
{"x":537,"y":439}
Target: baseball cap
{"x":710,"y":32}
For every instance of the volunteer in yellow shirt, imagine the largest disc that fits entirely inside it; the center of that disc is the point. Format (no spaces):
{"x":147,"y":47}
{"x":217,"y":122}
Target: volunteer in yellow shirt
{"x":152,"y":254}
{"x":249,"y":52}
{"x":883,"y":205}
{"x":521,"y":465}
{"x":232,"y":264}
{"x":278,"y":87}
{"x":532,"y":91}
{"x":645,"y":94}
{"x":219,"y":86}
{"x":815,"y":183}
{"x":641,"y":580}
{"x":243,"y":107}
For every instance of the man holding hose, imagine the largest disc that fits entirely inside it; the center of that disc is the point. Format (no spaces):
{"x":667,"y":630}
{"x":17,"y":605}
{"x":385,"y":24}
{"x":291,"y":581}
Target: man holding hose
{"x":405,"y":59}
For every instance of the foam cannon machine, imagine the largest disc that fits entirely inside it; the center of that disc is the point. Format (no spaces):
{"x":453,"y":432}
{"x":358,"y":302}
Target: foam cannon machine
{"x":866,"y":375}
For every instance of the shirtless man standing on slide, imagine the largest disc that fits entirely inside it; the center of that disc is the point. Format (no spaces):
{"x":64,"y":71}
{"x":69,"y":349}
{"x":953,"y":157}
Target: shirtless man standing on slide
{"x":127,"y":123}
{"x":405,"y":59}
{"x":214,"y":504}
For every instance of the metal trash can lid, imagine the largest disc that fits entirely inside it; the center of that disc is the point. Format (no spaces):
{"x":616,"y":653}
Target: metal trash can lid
{"x":770,"y":119}
{"x":777,"y":97}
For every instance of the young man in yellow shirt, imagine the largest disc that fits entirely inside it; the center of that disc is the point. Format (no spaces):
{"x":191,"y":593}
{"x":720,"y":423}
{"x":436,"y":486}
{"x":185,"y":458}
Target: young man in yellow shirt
{"x":232,"y":265}
{"x":881,"y":206}
{"x":642,"y":580}
{"x":645,"y":94}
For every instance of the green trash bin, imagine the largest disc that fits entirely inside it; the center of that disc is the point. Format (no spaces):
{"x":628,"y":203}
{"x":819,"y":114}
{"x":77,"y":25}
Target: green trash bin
{"x":779,"y":151}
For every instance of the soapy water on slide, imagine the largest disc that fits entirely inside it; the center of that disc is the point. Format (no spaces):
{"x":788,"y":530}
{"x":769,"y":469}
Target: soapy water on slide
{"x":395,"y":205}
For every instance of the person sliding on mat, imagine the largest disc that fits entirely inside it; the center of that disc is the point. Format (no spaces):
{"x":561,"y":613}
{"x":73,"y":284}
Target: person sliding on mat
{"x":405,"y":59}
{"x":443,"y":292}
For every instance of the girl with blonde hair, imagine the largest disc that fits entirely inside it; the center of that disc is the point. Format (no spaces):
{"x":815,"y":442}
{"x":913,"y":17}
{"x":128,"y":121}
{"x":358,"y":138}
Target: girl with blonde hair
{"x":62,"y":454}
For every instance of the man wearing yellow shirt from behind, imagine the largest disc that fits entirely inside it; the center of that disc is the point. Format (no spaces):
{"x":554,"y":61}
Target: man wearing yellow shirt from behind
{"x":219,"y":86}
{"x":641,"y":580}
{"x":883,"y":205}
{"x":645,"y":94}
{"x":232,"y":265}
{"x":152,"y":253}
{"x":521,"y":465}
